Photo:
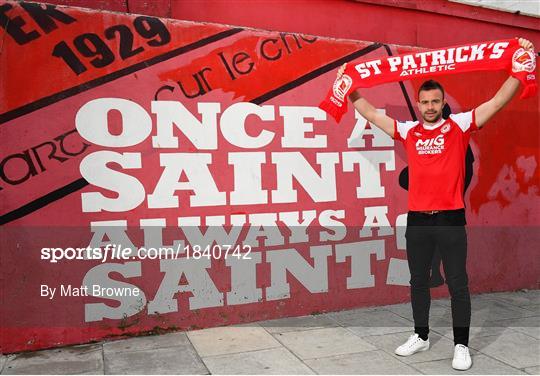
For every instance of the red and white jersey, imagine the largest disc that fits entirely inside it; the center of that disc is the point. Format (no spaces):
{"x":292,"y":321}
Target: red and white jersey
{"x":436,"y":155}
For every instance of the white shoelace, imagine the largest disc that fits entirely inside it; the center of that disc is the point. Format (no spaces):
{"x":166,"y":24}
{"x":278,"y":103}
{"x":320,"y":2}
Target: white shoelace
{"x":461,"y":351}
{"x":412,"y":340}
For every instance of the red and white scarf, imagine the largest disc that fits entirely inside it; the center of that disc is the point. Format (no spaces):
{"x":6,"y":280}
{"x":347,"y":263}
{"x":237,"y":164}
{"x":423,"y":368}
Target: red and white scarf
{"x":493,"y":55}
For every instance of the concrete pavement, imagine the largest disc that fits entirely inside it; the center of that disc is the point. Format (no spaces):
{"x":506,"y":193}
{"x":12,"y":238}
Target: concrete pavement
{"x":505,"y":339}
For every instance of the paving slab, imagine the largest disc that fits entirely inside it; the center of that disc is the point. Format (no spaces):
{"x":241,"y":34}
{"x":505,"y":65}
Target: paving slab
{"x":231,"y":339}
{"x":438,"y":308}
{"x":309,"y":344}
{"x":371,"y":322}
{"x":485,"y":310}
{"x":291,"y":324}
{"x":486,"y":313}
{"x":526,"y":325}
{"x":505,"y":339}
{"x":277,"y":361}
{"x":164,"y":361}
{"x":364,"y":363}
{"x":443,"y":326}
{"x":3,"y":360}
{"x":355,"y":311}
{"x":532,"y":307}
{"x":147,"y":343}
{"x":514,"y":348}
{"x":475,"y":331}
{"x":68,"y":360}
{"x":440,"y":347}
{"x":482,"y":365}
{"x":518,"y":298}
{"x":533,"y":370}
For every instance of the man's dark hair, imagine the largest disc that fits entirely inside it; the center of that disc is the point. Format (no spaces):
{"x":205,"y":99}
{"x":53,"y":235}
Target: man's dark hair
{"x":431,"y":85}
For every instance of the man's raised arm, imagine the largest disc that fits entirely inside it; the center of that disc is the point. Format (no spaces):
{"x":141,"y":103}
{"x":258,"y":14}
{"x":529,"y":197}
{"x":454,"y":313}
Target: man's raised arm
{"x":486,"y":110}
{"x":369,"y":112}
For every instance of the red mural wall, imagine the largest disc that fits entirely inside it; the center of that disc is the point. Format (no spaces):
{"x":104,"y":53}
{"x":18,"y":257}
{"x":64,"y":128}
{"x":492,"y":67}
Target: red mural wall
{"x":140,"y":132}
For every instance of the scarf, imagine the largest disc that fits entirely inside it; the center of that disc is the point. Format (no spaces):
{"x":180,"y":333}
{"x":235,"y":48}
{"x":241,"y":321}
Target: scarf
{"x":493,"y":55}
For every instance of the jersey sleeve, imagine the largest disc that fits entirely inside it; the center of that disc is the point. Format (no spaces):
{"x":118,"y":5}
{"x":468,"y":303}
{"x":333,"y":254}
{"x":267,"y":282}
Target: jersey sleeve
{"x":465,"y":120}
{"x":401,"y":129}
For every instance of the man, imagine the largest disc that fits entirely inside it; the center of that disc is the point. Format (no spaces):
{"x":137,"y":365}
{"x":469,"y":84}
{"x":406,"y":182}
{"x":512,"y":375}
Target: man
{"x":436,"y":219}
{"x":436,"y":279}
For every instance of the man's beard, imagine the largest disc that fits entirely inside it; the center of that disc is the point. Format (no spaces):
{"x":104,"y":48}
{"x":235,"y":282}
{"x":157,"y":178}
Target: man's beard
{"x":439,"y":115}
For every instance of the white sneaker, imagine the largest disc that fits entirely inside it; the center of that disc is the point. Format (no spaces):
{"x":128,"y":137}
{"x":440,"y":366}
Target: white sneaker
{"x":462,"y":359}
{"x":413,"y":345}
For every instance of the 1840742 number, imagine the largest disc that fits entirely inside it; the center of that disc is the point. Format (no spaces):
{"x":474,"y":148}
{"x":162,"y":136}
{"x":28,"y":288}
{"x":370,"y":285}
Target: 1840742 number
{"x":99,"y":54}
{"x":218,"y":251}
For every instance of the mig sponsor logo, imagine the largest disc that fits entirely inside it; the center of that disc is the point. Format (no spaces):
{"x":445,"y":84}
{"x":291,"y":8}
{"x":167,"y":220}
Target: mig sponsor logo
{"x":431,"y":145}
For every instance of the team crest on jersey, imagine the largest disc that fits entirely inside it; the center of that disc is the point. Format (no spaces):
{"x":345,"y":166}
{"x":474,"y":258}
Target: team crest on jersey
{"x":523,"y":60}
{"x":342,"y":86}
{"x":445,"y":128}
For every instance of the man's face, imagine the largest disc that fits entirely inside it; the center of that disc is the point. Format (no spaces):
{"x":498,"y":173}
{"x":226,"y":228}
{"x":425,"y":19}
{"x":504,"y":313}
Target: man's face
{"x":430,"y":104}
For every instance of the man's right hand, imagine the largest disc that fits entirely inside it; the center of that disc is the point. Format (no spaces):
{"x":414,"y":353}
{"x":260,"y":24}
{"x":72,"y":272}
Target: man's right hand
{"x":341,"y":70}
{"x":364,"y":108}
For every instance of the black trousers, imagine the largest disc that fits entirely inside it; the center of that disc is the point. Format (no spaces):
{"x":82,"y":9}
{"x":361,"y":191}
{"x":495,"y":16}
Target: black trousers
{"x":446,"y":232}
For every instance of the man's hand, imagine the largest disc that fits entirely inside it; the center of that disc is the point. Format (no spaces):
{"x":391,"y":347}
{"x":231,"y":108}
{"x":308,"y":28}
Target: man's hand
{"x":367,"y":110}
{"x":341,"y":70}
{"x":354,"y":95}
{"x":525,"y":62}
{"x":525,"y":44}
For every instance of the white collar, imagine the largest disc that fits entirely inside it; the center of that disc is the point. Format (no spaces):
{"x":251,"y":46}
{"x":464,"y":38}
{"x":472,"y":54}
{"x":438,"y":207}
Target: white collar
{"x":434,"y":126}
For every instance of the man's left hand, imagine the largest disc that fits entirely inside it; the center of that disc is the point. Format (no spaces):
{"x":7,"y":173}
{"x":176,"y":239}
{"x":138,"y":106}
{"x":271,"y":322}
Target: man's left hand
{"x":526,"y":44}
